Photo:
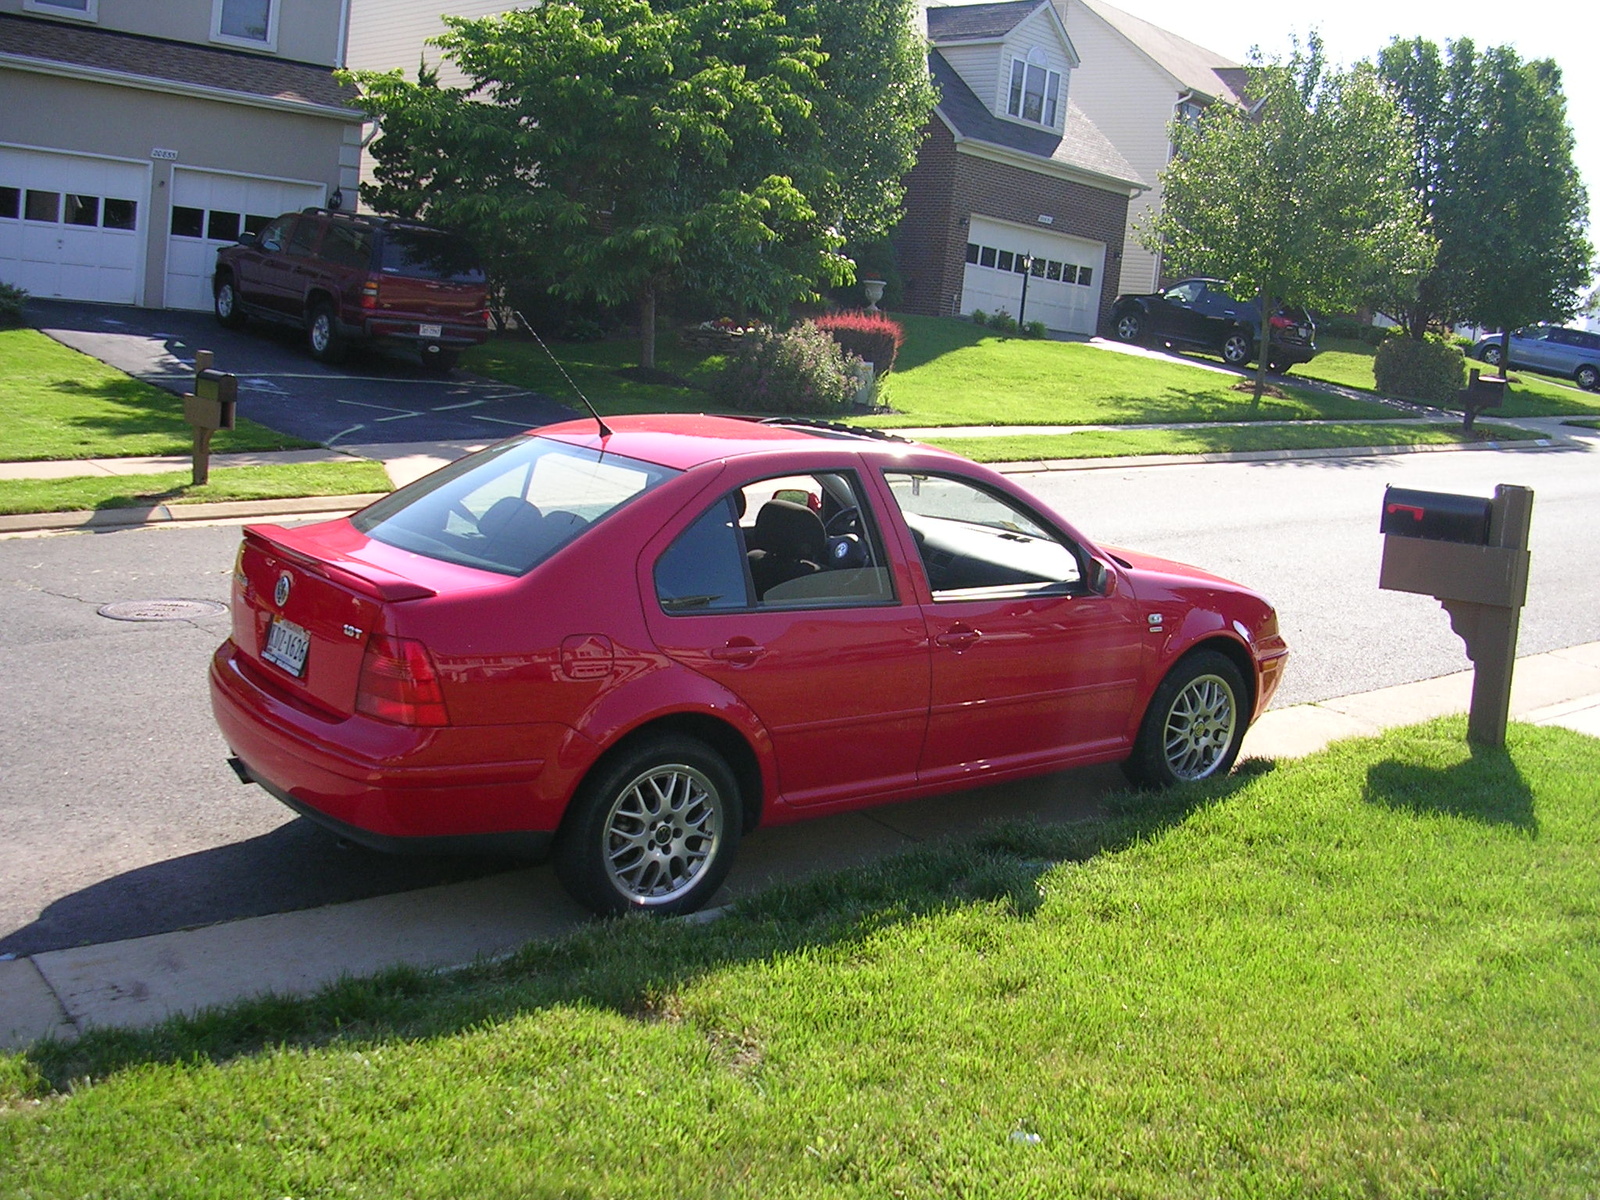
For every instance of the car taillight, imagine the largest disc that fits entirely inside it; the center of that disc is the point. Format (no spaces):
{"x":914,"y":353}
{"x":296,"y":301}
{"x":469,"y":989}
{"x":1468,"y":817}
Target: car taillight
{"x":1282,"y":322}
{"x":399,"y":683}
{"x":369,"y":294}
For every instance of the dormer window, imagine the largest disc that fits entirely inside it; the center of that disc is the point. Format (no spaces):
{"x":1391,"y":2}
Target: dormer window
{"x":252,"y":24}
{"x":1035,"y":89}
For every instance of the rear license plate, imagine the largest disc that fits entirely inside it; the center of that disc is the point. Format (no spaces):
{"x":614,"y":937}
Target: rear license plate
{"x":432,"y":331}
{"x":287,"y":644}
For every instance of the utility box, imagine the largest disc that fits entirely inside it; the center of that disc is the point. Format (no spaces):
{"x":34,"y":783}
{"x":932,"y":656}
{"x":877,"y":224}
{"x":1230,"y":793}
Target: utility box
{"x":1471,"y":554}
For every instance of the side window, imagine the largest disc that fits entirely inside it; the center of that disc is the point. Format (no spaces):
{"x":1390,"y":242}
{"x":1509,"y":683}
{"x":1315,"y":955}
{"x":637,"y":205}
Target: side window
{"x":976,"y":544}
{"x":304,"y":238}
{"x":347,"y":246}
{"x":1184,"y":293}
{"x":704,"y":569}
{"x":274,"y":232}
{"x":796,"y":541}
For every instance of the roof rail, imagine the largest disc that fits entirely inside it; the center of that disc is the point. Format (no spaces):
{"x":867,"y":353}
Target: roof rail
{"x":838,"y":427}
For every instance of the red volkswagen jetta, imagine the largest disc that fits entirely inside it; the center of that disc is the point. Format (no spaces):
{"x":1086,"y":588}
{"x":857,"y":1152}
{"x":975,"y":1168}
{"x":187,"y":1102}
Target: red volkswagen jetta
{"x":631,"y":647}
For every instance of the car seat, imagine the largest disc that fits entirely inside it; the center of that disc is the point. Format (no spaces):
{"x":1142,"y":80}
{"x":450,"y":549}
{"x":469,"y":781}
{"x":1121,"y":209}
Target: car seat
{"x":789,"y":542}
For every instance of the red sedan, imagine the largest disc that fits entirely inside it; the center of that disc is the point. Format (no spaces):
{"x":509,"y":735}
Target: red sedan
{"x":630,"y":648}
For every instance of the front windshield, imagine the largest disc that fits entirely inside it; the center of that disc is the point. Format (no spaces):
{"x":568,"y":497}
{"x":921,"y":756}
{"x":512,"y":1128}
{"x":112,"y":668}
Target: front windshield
{"x":510,"y":507}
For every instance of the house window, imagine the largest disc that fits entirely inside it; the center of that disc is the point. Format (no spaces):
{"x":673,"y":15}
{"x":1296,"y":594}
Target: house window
{"x":83,"y":10}
{"x":10,"y":202}
{"x":1035,"y":90}
{"x":188,"y":222}
{"x":972,"y":252}
{"x":249,"y":23}
{"x":120,"y":214}
{"x":82,"y":210}
{"x":43,"y":206}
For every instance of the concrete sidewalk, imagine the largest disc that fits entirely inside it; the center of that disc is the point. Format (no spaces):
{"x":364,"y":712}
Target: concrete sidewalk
{"x":142,"y":981}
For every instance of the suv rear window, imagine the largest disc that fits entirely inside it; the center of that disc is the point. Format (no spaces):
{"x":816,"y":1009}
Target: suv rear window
{"x":428,"y":254}
{"x":510,"y":507}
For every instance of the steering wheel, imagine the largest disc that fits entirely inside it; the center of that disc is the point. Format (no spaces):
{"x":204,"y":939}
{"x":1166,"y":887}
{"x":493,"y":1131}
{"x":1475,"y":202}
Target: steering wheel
{"x":846,"y":520}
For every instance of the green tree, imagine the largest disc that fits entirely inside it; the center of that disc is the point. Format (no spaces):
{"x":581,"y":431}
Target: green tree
{"x":1494,"y":174}
{"x":626,"y":150}
{"x":1304,"y":199}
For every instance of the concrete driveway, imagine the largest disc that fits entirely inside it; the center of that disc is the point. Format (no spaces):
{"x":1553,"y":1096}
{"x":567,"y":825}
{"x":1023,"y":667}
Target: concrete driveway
{"x":374,"y":397}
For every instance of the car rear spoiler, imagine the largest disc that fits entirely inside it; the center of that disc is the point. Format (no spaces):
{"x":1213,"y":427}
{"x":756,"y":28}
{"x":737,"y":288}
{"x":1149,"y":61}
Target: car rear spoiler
{"x":360,"y":577}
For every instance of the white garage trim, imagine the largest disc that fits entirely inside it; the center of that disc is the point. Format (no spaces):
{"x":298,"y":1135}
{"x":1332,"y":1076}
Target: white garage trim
{"x":72,"y":226}
{"x":210,"y":209}
{"x":1064,"y":284}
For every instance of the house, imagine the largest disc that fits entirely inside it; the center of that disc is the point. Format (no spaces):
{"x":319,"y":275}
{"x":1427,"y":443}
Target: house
{"x":1013,"y":181}
{"x":137,"y":136}
{"x":1135,"y":80}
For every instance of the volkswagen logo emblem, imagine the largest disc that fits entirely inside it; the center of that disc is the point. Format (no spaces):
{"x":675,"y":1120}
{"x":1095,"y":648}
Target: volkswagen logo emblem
{"x":280,"y":594}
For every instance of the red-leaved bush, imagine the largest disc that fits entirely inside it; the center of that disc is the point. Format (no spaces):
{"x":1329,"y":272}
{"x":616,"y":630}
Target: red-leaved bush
{"x":871,"y":337}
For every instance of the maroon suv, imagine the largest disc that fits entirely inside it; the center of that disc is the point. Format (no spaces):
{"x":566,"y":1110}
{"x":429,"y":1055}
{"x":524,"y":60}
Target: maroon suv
{"x":346,"y":277}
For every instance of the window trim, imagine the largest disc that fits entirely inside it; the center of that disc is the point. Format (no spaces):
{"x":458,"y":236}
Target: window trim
{"x":1049,"y":96}
{"x":89,"y":12}
{"x":268,"y":44}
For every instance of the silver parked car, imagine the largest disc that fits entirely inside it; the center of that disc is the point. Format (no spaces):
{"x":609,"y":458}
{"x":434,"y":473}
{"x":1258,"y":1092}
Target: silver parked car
{"x":1571,"y":353}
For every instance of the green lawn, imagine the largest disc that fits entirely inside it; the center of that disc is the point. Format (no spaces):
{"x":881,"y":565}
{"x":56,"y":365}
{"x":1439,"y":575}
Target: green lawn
{"x":1528,"y":395}
{"x":278,"y":481}
{"x":1110,"y":443}
{"x":593,"y":366}
{"x":1371,"y":972}
{"x":954,"y":373}
{"x":58,"y":403}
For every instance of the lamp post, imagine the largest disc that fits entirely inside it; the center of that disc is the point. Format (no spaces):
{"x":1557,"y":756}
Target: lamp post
{"x":1022,"y":305}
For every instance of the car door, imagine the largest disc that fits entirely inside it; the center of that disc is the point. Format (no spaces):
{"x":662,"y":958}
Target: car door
{"x":1031,"y":667}
{"x":831,"y":656}
{"x":1176,"y":317}
{"x":1218,"y":314}
{"x":255,"y":268}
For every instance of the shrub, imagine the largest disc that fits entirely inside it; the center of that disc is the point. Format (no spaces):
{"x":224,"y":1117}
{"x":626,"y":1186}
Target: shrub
{"x":979,"y":317}
{"x":801,"y":370}
{"x":1351,"y":329}
{"x":11,"y":302}
{"x":1034,"y":329}
{"x":871,"y":337}
{"x":1431,"y":370}
{"x":1003,"y":322}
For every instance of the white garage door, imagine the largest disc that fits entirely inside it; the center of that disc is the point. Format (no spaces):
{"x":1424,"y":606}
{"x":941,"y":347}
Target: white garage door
{"x":211,"y":209}
{"x":72,"y":226}
{"x":1064,"y":275}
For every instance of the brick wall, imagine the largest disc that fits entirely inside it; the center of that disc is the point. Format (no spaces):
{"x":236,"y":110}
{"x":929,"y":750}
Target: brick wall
{"x":946,"y":187}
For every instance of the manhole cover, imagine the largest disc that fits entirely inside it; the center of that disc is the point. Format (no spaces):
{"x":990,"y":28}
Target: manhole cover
{"x":161,"y":610}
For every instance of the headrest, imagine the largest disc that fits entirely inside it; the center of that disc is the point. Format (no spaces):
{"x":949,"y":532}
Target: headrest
{"x":791,"y":529}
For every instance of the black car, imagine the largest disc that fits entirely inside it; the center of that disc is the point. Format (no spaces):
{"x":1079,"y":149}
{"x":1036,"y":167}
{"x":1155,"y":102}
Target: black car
{"x":1199,"y":314}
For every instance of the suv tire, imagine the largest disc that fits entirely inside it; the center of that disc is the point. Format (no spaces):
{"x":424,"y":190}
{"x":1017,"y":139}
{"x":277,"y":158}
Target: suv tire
{"x":322,"y":334}
{"x":225,"y":303}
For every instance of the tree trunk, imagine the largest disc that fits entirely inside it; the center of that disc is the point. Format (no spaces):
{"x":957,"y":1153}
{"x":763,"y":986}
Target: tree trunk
{"x":647,"y":328}
{"x":1264,"y":340}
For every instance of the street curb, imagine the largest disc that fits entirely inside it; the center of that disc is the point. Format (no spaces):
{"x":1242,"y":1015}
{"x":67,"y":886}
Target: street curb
{"x":164,"y":514}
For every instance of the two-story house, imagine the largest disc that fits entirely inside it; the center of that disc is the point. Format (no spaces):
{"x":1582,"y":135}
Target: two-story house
{"x":1135,"y":80}
{"x":1013,"y":183}
{"x":137,"y":136}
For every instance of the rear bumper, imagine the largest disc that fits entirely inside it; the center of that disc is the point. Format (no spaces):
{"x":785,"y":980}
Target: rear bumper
{"x":393,"y":787}
{"x":451,"y":336}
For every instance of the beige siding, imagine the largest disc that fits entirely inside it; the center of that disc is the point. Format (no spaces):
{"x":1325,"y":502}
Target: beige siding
{"x":308,"y":30}
{"x":979,"y":68}
{"x":390,"y":34}
{"x":1130,"y":99}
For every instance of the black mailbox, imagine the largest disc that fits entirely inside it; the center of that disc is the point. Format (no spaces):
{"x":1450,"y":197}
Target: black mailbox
{"x":1436,"y":516}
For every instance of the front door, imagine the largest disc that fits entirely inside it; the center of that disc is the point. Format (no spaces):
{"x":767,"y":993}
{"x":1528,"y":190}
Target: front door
{"x":1030,"y":666}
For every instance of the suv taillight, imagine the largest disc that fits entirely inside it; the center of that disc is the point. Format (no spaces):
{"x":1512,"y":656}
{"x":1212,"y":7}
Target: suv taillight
{"x":1282,"y":322}
{"x":399,"y":684}
{"x":369,"y":294}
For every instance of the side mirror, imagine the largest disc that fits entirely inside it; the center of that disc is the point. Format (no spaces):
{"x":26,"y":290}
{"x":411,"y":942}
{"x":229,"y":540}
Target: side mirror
{"x":249,"y":239}
{"x":1101,"y":581}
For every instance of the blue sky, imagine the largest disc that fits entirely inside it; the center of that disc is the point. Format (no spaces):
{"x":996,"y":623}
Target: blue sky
{"x":1355,"y":29}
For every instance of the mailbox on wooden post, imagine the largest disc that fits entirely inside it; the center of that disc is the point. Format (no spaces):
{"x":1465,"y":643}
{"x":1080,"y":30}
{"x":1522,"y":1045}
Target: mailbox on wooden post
{"x":209,"y":408}
{"x":1472,"y":555}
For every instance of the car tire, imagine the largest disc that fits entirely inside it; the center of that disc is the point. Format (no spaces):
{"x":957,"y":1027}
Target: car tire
{"x":1238,"y":348}
{"x":1194,"y":725}
{"x":652,"y":830}
{"x":1587,"y":377}
{"x":1491,"y":355}
{"x":322,"y":334}
{"x":1129,"y":327}
{"x":225,"y":303}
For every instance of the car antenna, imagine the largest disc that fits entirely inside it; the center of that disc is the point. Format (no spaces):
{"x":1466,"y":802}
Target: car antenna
{"x":605,"y":430}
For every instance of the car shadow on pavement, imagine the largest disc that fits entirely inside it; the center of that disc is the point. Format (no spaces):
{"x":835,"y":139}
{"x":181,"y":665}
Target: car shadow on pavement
{"x":296,"y":866}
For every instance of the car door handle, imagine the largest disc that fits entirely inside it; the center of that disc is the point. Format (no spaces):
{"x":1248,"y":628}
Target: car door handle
{"x":958,"y":637}
{"x":741,"y":652}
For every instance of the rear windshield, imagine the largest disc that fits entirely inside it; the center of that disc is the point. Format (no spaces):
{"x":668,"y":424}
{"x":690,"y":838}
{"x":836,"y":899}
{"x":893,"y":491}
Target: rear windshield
{"x":510,"y":507}
{"x":428,"y":254}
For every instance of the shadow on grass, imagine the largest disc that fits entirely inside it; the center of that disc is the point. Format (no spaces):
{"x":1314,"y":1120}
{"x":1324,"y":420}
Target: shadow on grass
{"x":632,"y":965}
{"x":1486,"y":787}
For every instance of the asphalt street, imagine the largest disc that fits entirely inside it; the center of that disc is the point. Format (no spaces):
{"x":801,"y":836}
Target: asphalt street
{"x":375,"y":396}
{"x":118,"y":816}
